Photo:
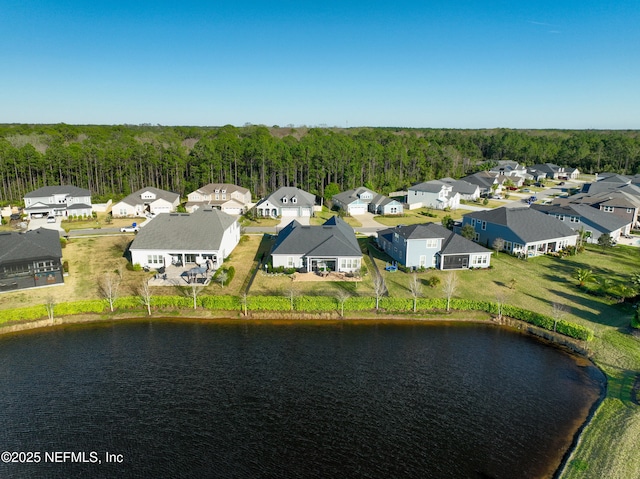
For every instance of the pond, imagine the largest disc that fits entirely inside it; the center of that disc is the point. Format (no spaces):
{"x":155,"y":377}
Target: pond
{"x":236,"y":399}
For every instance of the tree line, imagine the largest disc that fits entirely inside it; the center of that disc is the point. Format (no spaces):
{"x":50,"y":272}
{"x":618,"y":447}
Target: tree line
{"x":113,"y":161}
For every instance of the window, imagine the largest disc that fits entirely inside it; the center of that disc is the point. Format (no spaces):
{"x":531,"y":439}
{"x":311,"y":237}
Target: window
{"x":154,"y":259}
{"x":217,"y":196}
{"x":294,"y":200}
{"x":484,"y":225}
{"x":575,"y":219}
{"x":284,"y":200}
{"x":473,"y":221}
{"x":476,"y":237}
{"x":507,"y":246}
{"x":629,"y":210}
{"x":432,"y":243}
{"x":479,"y":260}
{"x":607,"y":209}
{"x":290,"y":262}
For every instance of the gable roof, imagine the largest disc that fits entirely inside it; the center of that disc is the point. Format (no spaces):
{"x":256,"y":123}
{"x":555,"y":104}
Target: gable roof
{"x":228,"y":187}
{"x":201,"y":230}
{"x":303,"y":198}
{"x":452,"y":243}
{"x":57,"y":190}
{"x":333,"y":238}
{"x":461,"y":186}
{"x":135,"y":198}
{"x":431,"y":186}
{"x":605,"y":221}
{"x":353,"y":195}
{"x":528,"y":224}
{"x":39,"y":243}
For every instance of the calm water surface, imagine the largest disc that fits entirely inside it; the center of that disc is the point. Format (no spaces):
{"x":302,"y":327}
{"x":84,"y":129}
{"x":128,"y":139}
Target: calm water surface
{"x":291,"y":400}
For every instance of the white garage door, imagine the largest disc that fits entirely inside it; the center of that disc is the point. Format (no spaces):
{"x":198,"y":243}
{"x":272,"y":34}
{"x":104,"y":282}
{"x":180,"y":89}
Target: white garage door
{"x":306,"y":211}
{"x":358,"y":209}
{"x":289,"y":211}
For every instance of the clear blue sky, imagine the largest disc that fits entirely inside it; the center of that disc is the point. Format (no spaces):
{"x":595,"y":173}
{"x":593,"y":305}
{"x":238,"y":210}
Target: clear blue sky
{"x":454,"y":64}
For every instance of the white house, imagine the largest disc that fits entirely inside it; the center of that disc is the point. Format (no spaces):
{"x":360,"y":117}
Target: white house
{"x":146,"y":201}
{"x":63,"y":200}
{"x":360,"y":200}
{"x":287,"y":201}
{"x":432,"y":194}
{"x":232,"y":199}
{"x":204,"y":238}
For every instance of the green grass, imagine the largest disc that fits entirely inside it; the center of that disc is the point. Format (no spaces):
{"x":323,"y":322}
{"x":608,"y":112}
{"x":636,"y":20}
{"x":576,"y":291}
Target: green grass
{"x":417,"y":216}
{"x":321,"y":216}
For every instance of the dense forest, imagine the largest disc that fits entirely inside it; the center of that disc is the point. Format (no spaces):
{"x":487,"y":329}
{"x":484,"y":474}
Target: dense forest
{"x":113,"y":161}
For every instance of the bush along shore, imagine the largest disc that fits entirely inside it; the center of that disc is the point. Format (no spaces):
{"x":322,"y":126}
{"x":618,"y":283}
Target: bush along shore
{"x":300,"y":304}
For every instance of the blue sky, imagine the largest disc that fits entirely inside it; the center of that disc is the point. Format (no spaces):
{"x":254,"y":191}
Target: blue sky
{"x":450,"y":64}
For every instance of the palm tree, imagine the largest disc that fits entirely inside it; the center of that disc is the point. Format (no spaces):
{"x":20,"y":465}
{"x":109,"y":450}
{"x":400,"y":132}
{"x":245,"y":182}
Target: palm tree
{"x":583,"y":275}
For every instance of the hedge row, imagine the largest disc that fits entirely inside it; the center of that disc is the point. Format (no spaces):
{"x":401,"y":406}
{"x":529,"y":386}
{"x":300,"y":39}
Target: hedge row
{"x":312,"y":304}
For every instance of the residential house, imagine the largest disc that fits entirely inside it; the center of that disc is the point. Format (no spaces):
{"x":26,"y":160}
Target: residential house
{"x":510,"y":168}
{"x":287,"y":201}
{"x":431,"y":245}
{"x":360,"y":200}
{"x":621,"y":202}
{"x":64,"y":200}
{"x":203,"y":238}
{"x":147,"y":201}
{"x":524,"y":231}
{"x":555,"y":172}
{"x":432,"y":194}
{"x":467,"y":191}
{"x":590,"y":221}
{"x":329,"y":247}
{"x":31,"y":259}
{"x":490,"y":183}
{"x":229,"y":198}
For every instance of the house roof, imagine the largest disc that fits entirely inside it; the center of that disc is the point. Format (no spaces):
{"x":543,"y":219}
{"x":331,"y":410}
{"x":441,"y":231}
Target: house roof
{"x":483,"y":179}
{"x":431,"y":186}
{"x":39,"y":243}
{"x":135,"y":198}
{"x":452,"y":243}
{"x":303,"y":198}
{"x":604,"y":221}
{"x":333,"y":238}
{"x":200,"y":230}
{"x":528,"y":224}
{"x":57,"y":190}
{"x":461,"y":186}
{"x":353,"y":195}
{"x":228,"y":187}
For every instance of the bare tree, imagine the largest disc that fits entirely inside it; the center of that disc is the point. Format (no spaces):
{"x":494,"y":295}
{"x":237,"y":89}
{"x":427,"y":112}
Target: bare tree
{"x":449,"y":287}
{"x":291,"y":293}
{"x":500,"y":298}
{"x":50,"y":305}
{"x":222,"y":277}
{"x":192,"y":291}
{"x":379,"y":288}
{"x":144,"y":292}
{"x":342,"y":295}
{"x":244,"y":300}
{"x":415,"y":286}
{"x":108,"y":287}
{"x":558,"y":312}
{"x":498,"y":244}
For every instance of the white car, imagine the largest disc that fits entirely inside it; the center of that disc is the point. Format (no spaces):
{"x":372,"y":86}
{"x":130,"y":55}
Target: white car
{"x":129,"y":229}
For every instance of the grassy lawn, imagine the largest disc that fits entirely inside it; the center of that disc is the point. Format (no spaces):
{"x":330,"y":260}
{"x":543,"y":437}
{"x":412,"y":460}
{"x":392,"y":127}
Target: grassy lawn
{"x":419,"y":215}
{"x":99,"y":222}
{"x":321,"y":216}
{"x":259,"y":222}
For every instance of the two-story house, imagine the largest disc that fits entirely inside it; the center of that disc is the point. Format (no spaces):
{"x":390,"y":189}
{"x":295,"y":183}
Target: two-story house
{"x":63,"y":200}
{"x":229,"y":198}
{"x":431,"y":245}
{"x":432,"y":194}
{"x":146,"y":201}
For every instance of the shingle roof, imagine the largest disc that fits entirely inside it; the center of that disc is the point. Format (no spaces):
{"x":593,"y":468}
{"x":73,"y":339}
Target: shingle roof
{"x":56,"y":190}
{"x":333,"y":238}
{"x":606,"y":221}
{"x":40,"y":243}
{"x":201,"y":230}
{"x":228,"y":187}
{"x":349,"y":196}
{"x":431,"y":186}
{"x":452,"y":243}
{"x":303,"y":198}
{"x":526,"y":223}
{"x":134,"y":198}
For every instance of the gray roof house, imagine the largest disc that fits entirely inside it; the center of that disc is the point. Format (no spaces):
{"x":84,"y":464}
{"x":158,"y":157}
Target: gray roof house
{"x":360,"y":200}
{"x":623,"y":202}
{"x":467,"y":191}
{"x":431,"y":245}
{"x":205,"y":237}
{"x":146,"y":201}
{"x":63,"y":200}
{"x":287,"y":201}
{"x":31,"y":259}
{"x":432,"y":194}
{"x":593,"y":222}
{"x":526,"y":232}
{"x":554,"y":171}
{"x":329,"y":247}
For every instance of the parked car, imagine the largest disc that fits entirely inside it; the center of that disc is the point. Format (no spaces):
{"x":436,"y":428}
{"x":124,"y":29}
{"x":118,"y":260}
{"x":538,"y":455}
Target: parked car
{"x":51,"y":219}
{"x":129,"y":229}
{"x":526,"y":190}
{"x":561,"y":183}
{"x":15,"y":216}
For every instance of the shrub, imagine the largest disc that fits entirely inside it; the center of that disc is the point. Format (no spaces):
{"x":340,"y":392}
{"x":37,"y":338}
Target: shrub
{"x":65,"y":266}
{"x":433,"y":281}
{"x":63,"y":242}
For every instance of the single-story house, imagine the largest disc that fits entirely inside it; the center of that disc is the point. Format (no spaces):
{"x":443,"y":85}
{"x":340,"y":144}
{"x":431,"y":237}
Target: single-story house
{"x":556,"y":172}
{"x":524,"y":231}
{"x":203,"y":238}
{"x":431,"y":245}
{"x":63,"y":200}
{"x":593,"y":222}
{"x":146,"y":201}
{"x":287,"y":201}
{"x":432,"y":194}
{"x":329,"y":247}
{"x":360,"y":200}
{"x":31,"y":259}
{"x":227,"y":197}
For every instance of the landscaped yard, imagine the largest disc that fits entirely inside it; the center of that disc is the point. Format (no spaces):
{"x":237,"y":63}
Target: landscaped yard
{"x":420,"y":215}
{"x":321,"y":216}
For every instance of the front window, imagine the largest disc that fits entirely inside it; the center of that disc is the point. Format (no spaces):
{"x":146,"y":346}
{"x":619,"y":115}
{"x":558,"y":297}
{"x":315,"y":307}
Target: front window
{"x":607,"y":209}
{"x":432,"y":243}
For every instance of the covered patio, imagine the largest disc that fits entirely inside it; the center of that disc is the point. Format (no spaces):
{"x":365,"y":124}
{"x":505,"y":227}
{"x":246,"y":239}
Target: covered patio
{"x":181,"y":276}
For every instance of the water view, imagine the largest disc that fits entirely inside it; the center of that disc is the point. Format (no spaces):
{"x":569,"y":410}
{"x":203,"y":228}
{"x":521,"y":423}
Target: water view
{"x":290,"y":400}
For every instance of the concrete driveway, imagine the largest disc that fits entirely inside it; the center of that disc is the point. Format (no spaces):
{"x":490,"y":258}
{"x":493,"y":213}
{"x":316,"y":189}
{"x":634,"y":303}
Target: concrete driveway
{"x":36,"y":223}
{"x":303,"y":220}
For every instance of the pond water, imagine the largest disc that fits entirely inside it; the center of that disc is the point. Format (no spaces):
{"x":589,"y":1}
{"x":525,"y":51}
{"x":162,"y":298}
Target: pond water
{"x":235,"y":399}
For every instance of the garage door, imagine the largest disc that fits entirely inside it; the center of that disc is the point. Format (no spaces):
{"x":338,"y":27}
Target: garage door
{"x":289,"y":211}
{"x":306,"y":211}
{"x":358,"y":209}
